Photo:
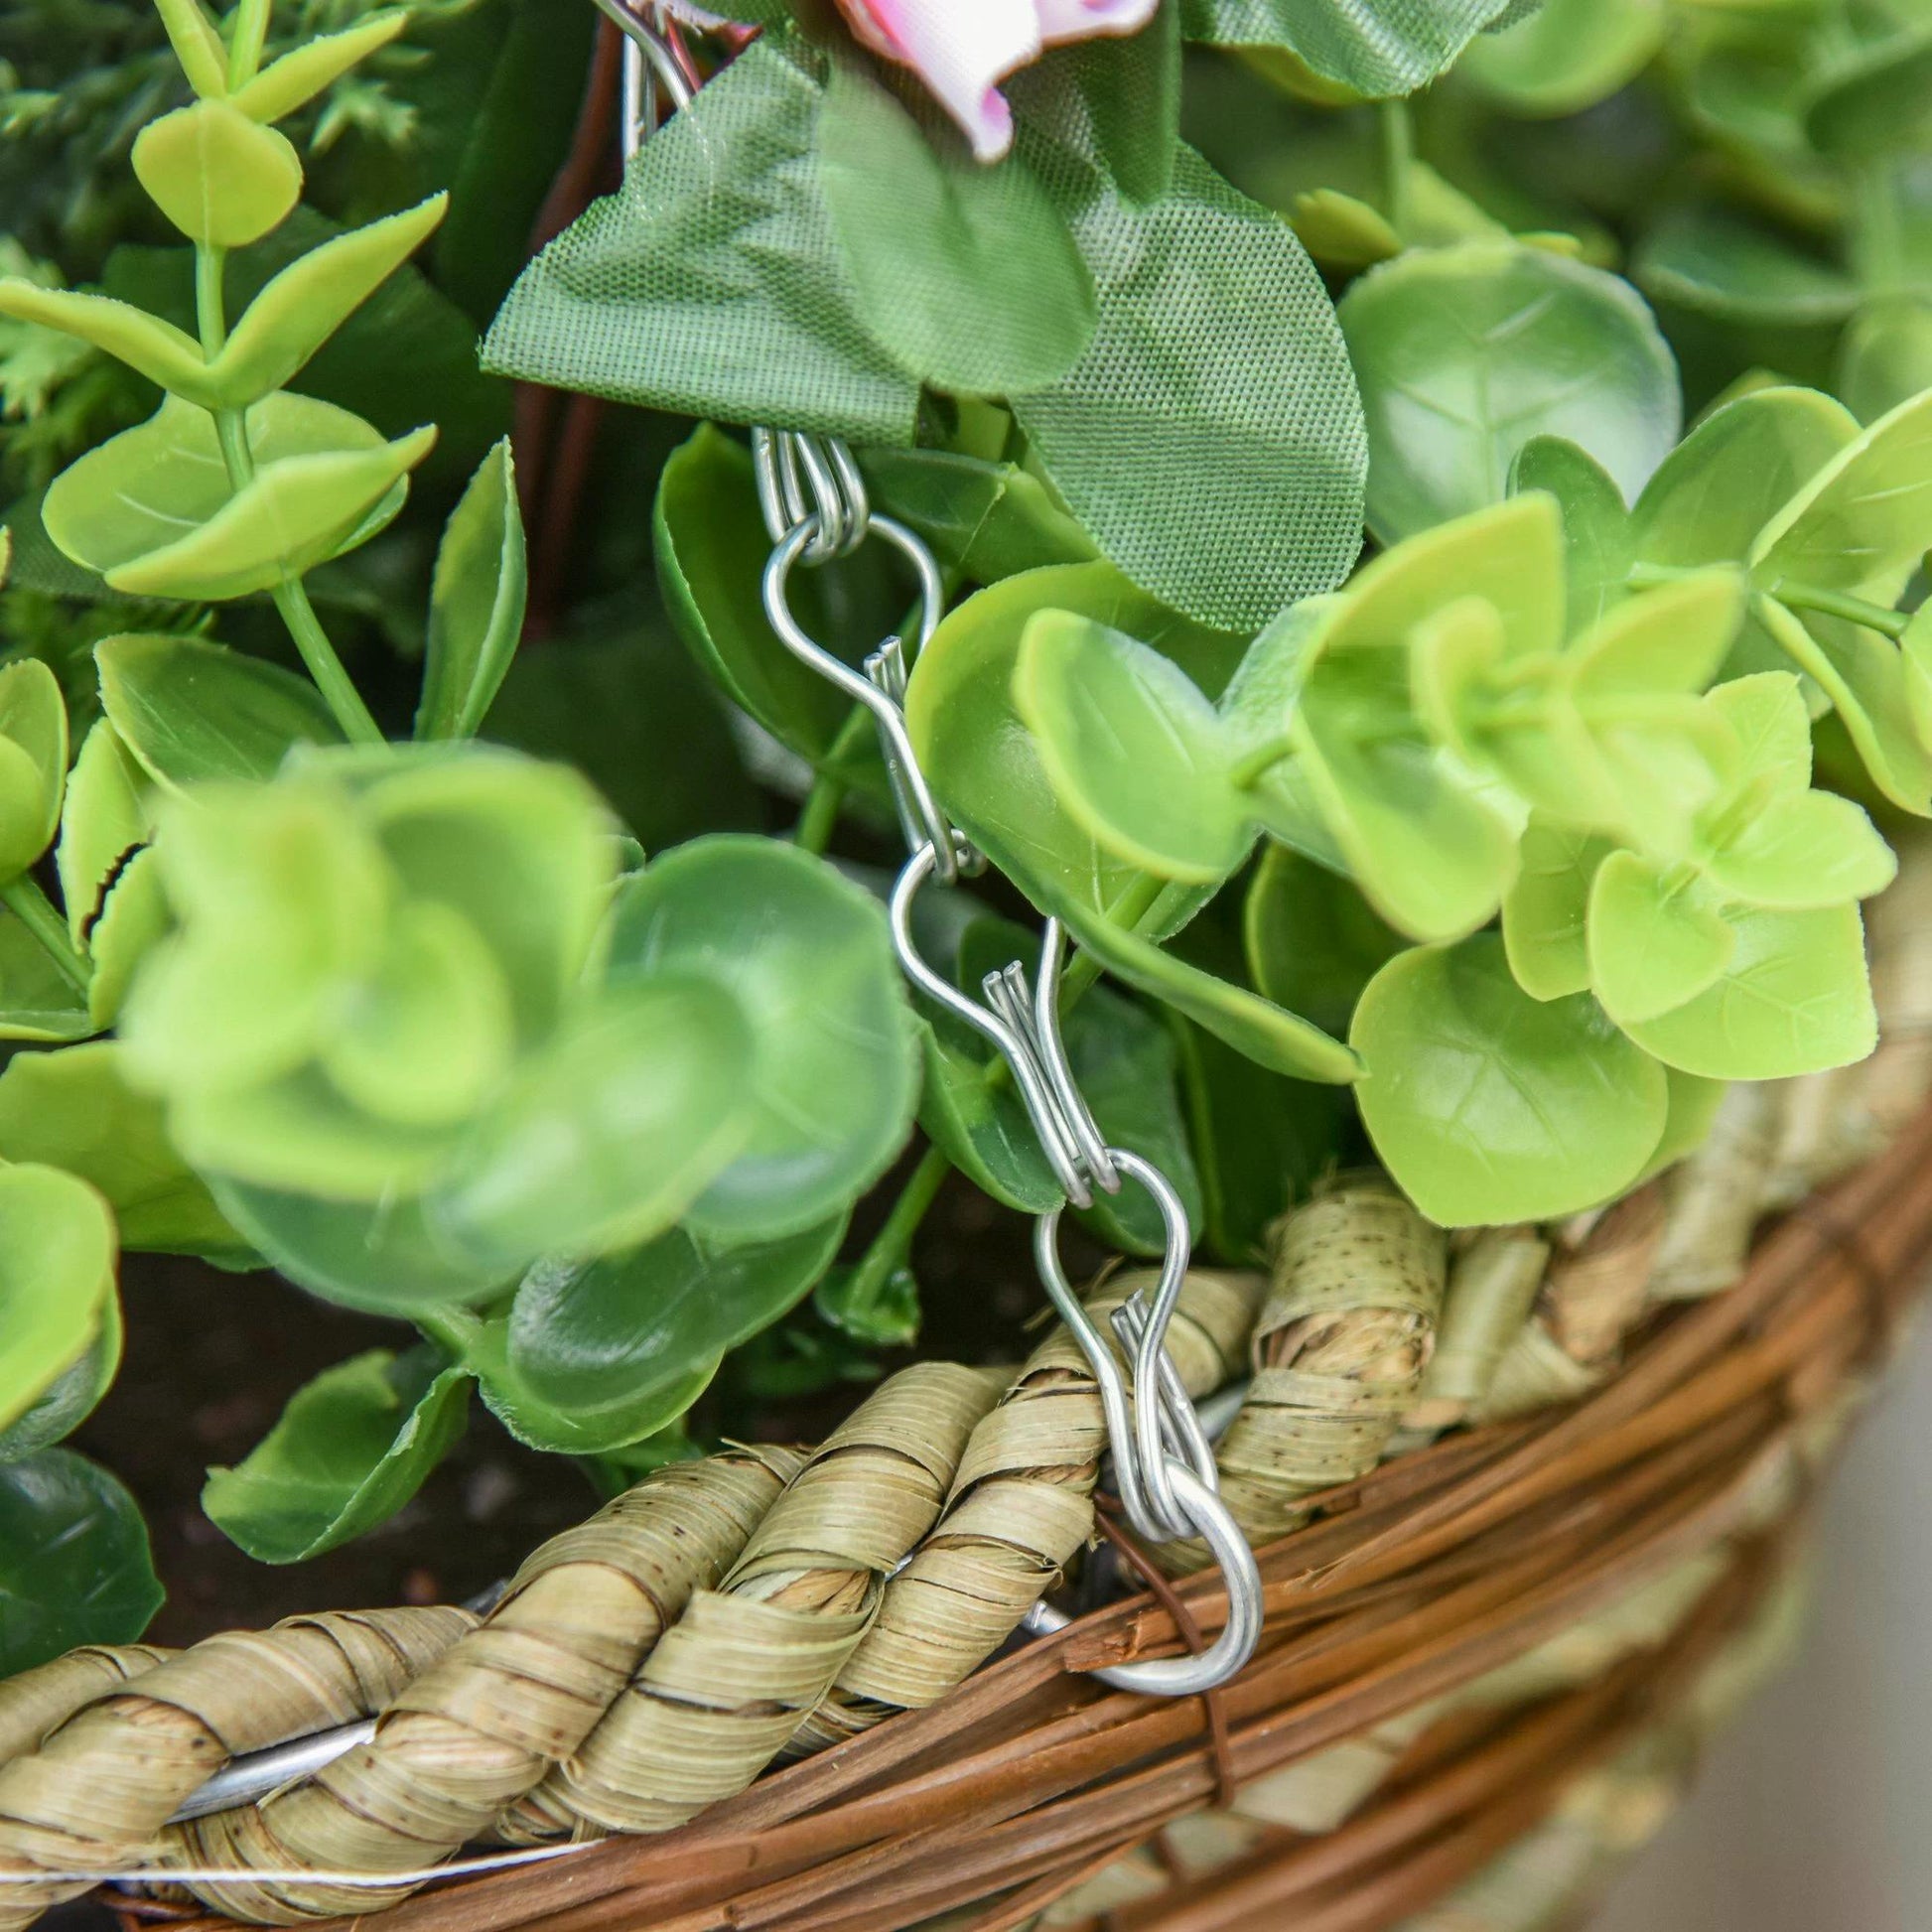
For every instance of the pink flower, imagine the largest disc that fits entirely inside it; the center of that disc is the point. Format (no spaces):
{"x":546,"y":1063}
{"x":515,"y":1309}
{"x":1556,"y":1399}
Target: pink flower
{"x":961,"y":47}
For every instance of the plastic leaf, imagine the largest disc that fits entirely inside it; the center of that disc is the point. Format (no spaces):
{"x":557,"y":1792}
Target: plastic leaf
{"x":1711,"y":261}
{"x":1545,"y":908}
{"x":1654,"y":943}
{"x":72,"y":1396}
{"x":476,"y":609}
{"x":198,"y":47}
{"x":1313,"y":941}
{"x":1794,"y":999}
{"x":965,"y":274}
{"x":1567,"y":55}
{"x":299,"y":75}
{"x":987,"y":519}
{"x":74,"y":1110}
{"x":610,"y":1133}
{"x":220,"y":178}
{"x":302,"y":306}
{"x":37,"y":1000}
{"x":58,"y":1255}
{"x":133,"y":915}
{"x":106,"y":818}
{"x":33,"y":762}
{"x":1597,"y":538}
{"x":349,"y":1449}
{"x":1466,"y":354}
{"x":1488,"y":1106}
{"x":74,"y":1563}
{"x":806,"y":956}
{"x":1803,"y":849}
{"x":149,"y":345}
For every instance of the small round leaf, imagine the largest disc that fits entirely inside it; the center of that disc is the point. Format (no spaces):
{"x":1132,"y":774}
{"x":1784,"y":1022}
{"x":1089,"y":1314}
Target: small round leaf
{"x":220,"y":178}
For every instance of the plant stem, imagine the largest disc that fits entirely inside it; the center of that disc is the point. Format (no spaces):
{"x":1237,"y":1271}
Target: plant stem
{"x":1262,"y":759}
{"x":1841,"y":604}
{"x":820,"y":817}
{"x":245,"y":48}
{"x":888,"y":1248}
{"x":452,"y":1330}
{"x":231,"y":429}
{"x":1396,"y":134}
{"x":37,"y":913}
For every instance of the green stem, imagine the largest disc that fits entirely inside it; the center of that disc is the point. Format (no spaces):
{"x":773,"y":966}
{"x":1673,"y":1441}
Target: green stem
{"x":1841,"y":604}
{"x":231,"y":429}
{"x":1649,"y":577}
{"x":888,"y":1248}
{"x":37,"y":913}
{"x":452,"y":1330}
{"x":245,"y":49}
{"x":1262,"y":759}
{"x":1395,"y":142}
{"x":820,"y":817}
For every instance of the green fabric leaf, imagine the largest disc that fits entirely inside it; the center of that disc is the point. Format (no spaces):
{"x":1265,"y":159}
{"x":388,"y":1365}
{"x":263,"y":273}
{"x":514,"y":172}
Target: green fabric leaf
{"x":1218,"y":383}
{"x":965,"y":274}
{"x":1488,"y":1106}
{"x":74,"y":1563}
{"x":1794,"y":999}
{"x":191,"y":711}
{"x":1466,"y":354}
{"x":349,"y":1449}
{"x":58,"y":1255}
{"x":711,"y":284}
{"x":476,"y":609}
{"x":807,"y":958}
{"x":1375,"y":47}
{"x":72,"y":1109}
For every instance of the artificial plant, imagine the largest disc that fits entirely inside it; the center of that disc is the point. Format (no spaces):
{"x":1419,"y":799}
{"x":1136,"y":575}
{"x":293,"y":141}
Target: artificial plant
{"x":1436,"y":749}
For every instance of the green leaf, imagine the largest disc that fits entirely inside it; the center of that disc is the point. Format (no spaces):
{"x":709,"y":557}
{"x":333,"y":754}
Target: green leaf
{"x":987,"y":520}
{"x":964,"y":273}
{"x":807,"y":958}
{"x":133,"y":915}
{"x":150,"y":347}
{"x":220,"y":178}
{"x":609,"y":1134}
{"x":1654,"y":943}
{"x":1596,"y":536}
{"x":198,"y":47}
{"x":1375,"y":47}
{"x":32,"y":764}
{"x":1546,"y":906}
{"x":711,"y":546}
{"x":1874,"y":103}
{"x":603,"y":1343}
{"x":74,"y":1564}
{"x":1130,"y":86}
{"x":313,"y":64}
{"x":1488,"y":1106}
{"x":123,"y":509}
{"x":1566,"y":55}
{"x":72,"y":1109}
{"x":72,"y":1396}
{"x":1716,"y":263}
{"x":383,"y":1257}
{"x":983,"y":761}
{"x":885,"y":1317}
{"x":1466,"y":354}
{"x":191,"y":711}
{"x":104,"y":821}
{"x":1794,"y":999}
{"x":37,"y":1000}
{"x":284,"y":326}
{"x":711,"y":284}
{"x":476,"y":611}
{"x":1245,"y":441}
{"x":349,"y":1449}
{"x":1312,"y":941}
{"x":58,"y":1255}
{"x":1884,"y":357}
{"x":1802,"y":850}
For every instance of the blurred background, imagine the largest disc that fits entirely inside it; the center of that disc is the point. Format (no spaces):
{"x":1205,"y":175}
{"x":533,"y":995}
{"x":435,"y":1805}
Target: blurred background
{"x":1814,"y":1814}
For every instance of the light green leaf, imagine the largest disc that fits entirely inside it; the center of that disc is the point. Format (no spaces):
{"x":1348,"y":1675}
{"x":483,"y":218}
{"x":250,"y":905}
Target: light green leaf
{"x":603,"y":1343}
{"x":133,"y":915}
{"x":191,"y":711}
{"x":965,"y":273}
{"x":150,"y":347}
{"x":1654,"y":943}
{"x":1466,"y":354}
{"x":104,"y":821}
{"x":1546,"y":906}
{"x":1566,"y":55}
{"x":382,"y":1256}
{"x":807,"y":958}
{"x":1312,"y":941}
{"x":1596,"y":536}
{"x":221,"y":179}
{"x":303,"y":72}
{"x":1488,"y":1106}
{"x":58,"y":1255}
{"x":476,"y":611}
{"x":198,"y":47}
{"x":1884,"y":357}
{"x":349,"y":1449}
{"x":72,"y":1109}
{"x":1795,"y":1000}
{"x":1713,"y":262}
{"x":302,"y":306}
{"x":37,"y":1000}
{"x":33,"y":762}
{"x":74,"y":1564}
{"x":1800,"y":850}
{"x":609,"y":1134}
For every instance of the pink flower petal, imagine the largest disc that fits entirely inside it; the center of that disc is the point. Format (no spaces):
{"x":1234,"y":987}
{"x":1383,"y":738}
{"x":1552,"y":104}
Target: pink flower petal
{"x":1077,"y":19}
{"x":959,"y":48}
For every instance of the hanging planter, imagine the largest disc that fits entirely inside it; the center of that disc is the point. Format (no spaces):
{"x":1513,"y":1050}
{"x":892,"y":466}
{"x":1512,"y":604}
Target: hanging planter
{"x":1247,"y":697}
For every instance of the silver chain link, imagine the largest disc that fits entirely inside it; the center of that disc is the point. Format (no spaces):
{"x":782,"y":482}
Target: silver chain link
{"x":815,"y":509}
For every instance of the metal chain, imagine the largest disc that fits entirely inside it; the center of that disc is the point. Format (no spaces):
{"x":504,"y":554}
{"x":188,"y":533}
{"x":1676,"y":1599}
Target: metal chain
{"x":815,"y":507}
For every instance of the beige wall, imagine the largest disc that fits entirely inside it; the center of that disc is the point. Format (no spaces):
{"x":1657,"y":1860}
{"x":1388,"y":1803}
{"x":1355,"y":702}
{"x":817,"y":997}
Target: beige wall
{"x":1815,"y":1814}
